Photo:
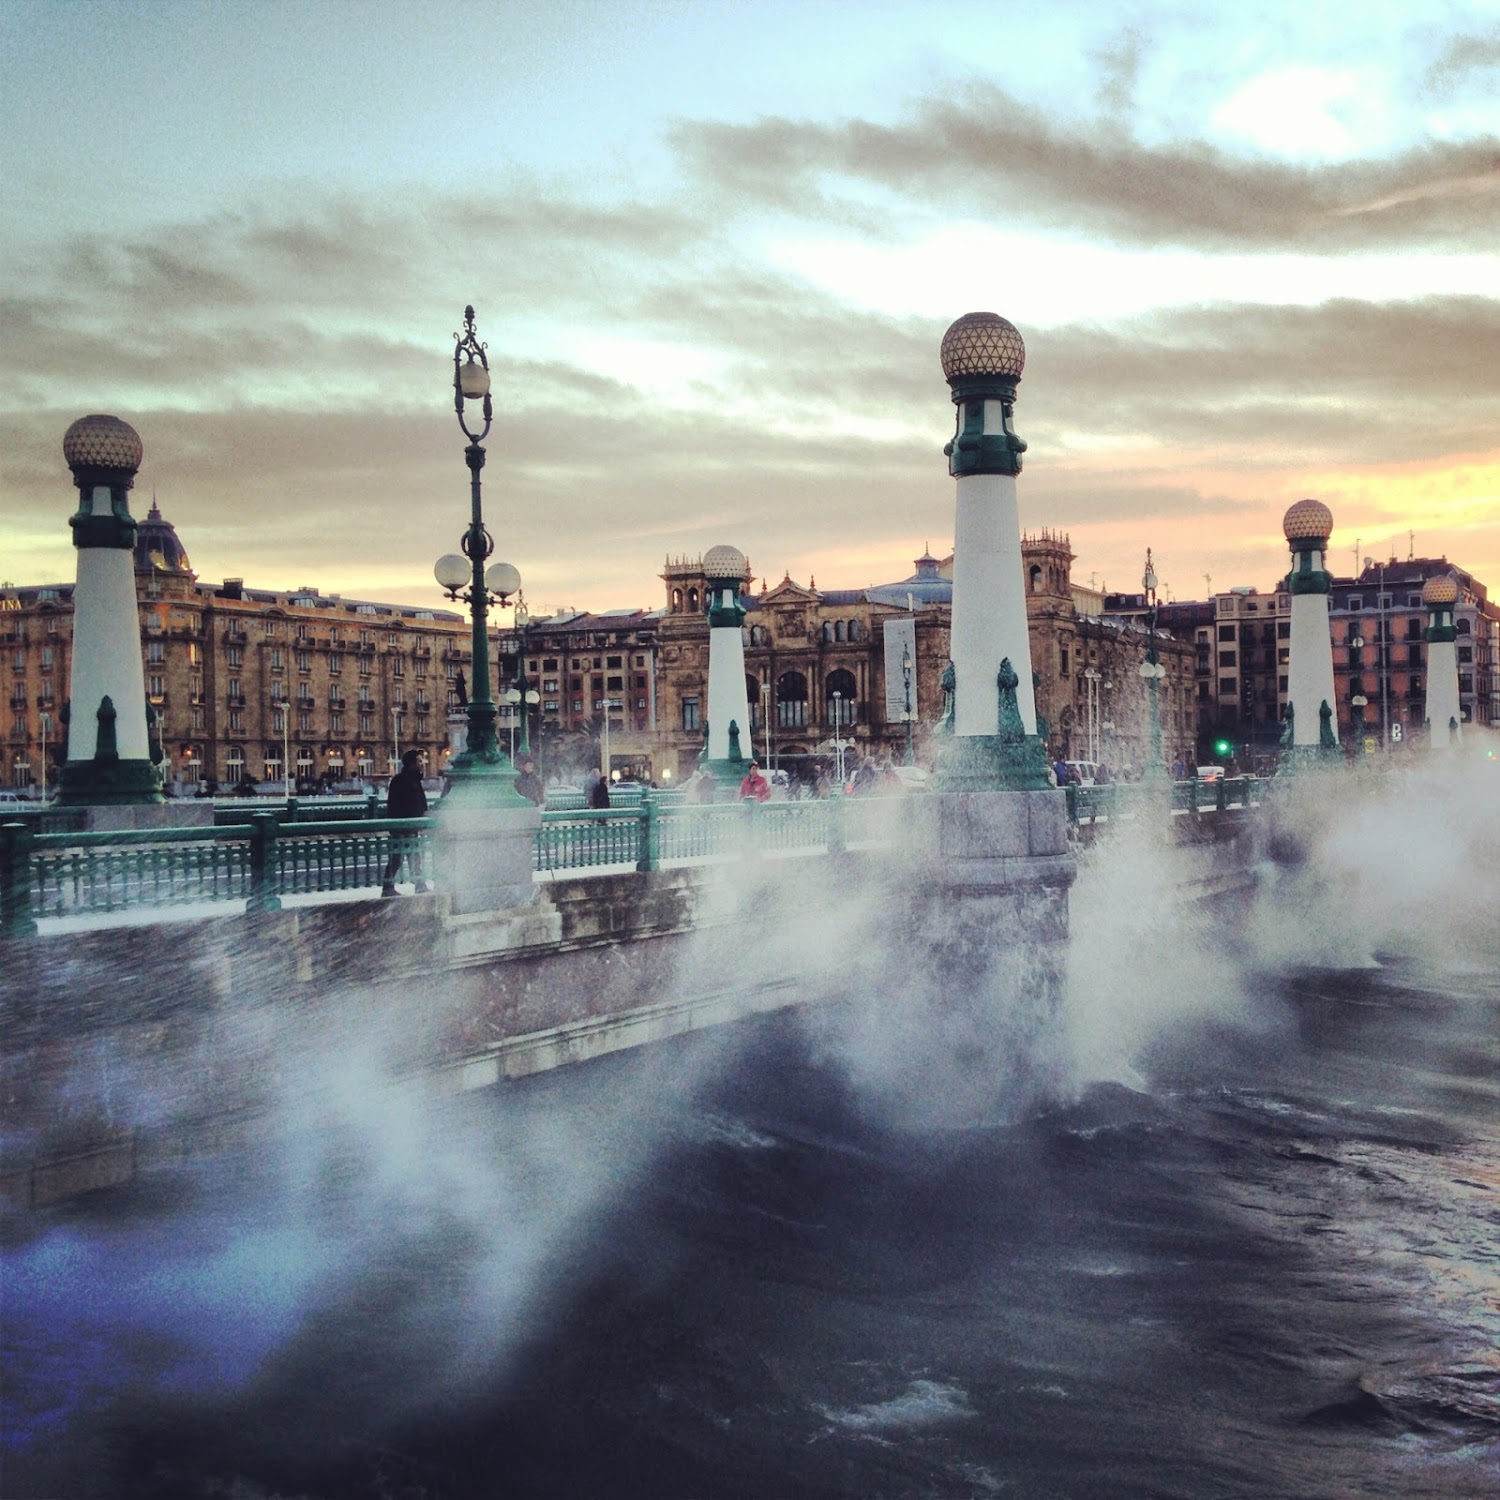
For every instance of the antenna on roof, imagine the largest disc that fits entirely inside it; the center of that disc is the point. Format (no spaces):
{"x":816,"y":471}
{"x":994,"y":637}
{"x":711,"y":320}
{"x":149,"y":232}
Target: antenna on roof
{"x":1208,"y":583}
{"x":1411,"y":545}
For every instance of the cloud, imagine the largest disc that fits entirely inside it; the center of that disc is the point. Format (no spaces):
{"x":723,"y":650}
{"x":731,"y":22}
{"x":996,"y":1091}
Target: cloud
{"x":987,"y":155}
{"x":1460,"y":58}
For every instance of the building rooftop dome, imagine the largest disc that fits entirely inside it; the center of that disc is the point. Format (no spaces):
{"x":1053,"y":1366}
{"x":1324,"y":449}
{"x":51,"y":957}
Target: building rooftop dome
{"x":1441,"y":588}
{"x":158,"y":547}
{"x":1307,"y":518}
{"x":101,"y":442}
{"x":982,"y":343}
{"x":725,"y":562}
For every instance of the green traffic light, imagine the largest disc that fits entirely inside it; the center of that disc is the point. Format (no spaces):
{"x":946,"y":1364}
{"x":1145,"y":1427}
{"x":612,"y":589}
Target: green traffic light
{"x":1223,"y":748}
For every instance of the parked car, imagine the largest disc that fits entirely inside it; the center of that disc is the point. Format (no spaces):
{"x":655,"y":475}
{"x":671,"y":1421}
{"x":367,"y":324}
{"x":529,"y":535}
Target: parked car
{"x":1082,"y":772}
{"x":1210,"y":773}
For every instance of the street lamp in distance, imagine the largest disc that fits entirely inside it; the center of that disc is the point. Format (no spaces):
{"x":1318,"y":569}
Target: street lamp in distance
{"x":911,"y":758}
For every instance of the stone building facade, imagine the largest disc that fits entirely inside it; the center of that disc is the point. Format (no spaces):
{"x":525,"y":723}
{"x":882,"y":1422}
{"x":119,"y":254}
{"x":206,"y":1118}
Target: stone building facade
{"x":824,"y":667}
{"x":244,"y":681}
{"x":596,"y":680}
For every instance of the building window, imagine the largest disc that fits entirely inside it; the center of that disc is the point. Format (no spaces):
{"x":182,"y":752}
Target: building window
{"x":236,"y":656}
{"x":335,"y":723}
{"x":1284,"y":630}
{"x":304,"y":721}
{"x":1226,"y":632}
{"x":156,"y":651}
{"x":236,"y":721}
{"x":578,"y":705}
{"x":1227,"y":687}
{"x":276,"y":659}
{"x":156,"y":686}
{"x":1355,"y":602}
{"x":335,"y":663}
{"x":1281,"y":684}
{"x":614,"y":661}
{"x":1227,"y":659}
{"x":234,"y":690}
{"x":690,"y":714}
{"x":197,"y":717}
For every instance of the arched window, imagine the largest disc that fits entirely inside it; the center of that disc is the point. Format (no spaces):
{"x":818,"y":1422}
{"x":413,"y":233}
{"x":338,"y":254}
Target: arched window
{"x":757,"y":635}
{"x":676,"y":601}
{"x":840,"y":631}
{"x":828,"y":630}
{"x":752,"y":697}
{"x":692,"y":601}
{"x":855,"y":632}
{"x":791,"y":700}
{"x":844,"y":708}
{"x":1036,"y":578}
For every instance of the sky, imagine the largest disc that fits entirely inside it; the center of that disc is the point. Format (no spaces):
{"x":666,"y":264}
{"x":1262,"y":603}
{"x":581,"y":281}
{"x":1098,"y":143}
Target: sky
{"x":713,"y":247}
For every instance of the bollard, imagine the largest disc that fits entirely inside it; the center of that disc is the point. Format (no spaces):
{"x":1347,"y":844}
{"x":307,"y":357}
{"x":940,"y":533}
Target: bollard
{"x":263,"y":883}
{"x":15,"y":881}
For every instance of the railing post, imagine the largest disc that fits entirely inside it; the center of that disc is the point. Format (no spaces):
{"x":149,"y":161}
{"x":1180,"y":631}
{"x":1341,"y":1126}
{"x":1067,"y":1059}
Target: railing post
{"x":836,"y":839}
{"x":264,"y":895}
{"x":372,"y":805}
{"x":754,"y":834}
{"x":647,"y":854}
{"x":1221,"y":789}
{"x":1070,"y":791}
{"x":15,"y":881}
{"x":291,"y":809}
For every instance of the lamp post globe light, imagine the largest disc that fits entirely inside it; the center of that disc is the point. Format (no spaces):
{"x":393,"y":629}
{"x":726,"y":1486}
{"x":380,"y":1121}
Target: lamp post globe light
{"x":481,"y":775}
{"x":1152,"y":672}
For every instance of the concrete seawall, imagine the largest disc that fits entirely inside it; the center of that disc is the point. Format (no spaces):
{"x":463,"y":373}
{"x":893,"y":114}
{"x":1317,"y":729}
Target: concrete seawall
{"x":129,"y":1049}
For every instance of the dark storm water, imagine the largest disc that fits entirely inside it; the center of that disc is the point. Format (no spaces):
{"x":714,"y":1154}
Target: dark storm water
{"x":1272,"y":1272}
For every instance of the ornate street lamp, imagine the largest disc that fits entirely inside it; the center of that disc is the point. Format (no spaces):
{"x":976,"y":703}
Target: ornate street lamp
{"x":526,"y":697}
{"x":911,"y":758}
{"x":1357,"y":699}
{"x":482,"y":774}
{"x":1152,"y":672}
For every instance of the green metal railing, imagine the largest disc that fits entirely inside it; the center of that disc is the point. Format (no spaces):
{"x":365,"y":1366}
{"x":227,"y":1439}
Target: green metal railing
{"x":87,"y":874}
{"x":265,"y":858}
{"x":1095,"y":804}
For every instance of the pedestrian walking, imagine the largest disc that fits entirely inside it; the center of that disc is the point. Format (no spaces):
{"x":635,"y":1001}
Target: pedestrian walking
{"x":529,"y":784}
{"x":405,"y":798}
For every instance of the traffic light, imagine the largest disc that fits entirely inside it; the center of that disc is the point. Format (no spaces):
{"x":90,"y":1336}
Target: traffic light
{"x":1223,"y":749}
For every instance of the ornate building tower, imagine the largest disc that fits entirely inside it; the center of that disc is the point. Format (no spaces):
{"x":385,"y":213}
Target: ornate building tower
{"x":1444,"y":715}
{"x":726,"y":574}
{"x":1307,"y":527}
{"x":109,"y":761}
{"x":993,"y":712}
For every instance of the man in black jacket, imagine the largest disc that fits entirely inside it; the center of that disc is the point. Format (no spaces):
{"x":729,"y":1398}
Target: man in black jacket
{"x":405,"y":799}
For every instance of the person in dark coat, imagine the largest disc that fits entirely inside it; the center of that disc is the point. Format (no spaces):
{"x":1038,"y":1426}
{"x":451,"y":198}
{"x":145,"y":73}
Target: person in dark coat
{"x":529,"y":784}
{"x":598,"y":790}
{"x":405,"y":798}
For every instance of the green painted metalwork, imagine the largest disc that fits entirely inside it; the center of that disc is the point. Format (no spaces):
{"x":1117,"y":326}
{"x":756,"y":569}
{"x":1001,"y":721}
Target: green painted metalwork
{"x":265,"y":860}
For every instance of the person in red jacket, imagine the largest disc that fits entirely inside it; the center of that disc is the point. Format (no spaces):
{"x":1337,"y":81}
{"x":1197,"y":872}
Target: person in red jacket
{"x":754,"y":785}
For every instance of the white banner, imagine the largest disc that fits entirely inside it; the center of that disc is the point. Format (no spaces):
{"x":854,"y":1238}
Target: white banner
{"x":900,"y":638}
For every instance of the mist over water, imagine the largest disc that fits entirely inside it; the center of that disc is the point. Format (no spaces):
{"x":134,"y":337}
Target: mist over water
{"x":1243,"y":1245}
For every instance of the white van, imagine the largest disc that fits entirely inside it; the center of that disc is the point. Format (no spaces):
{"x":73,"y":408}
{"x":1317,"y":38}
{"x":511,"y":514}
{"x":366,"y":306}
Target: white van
{"x":1083,"y":772}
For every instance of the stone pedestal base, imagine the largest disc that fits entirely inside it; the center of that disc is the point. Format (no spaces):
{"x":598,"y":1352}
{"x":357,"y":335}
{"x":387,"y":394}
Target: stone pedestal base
{"x":486,"y":856}
{"x":994,"y":840}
